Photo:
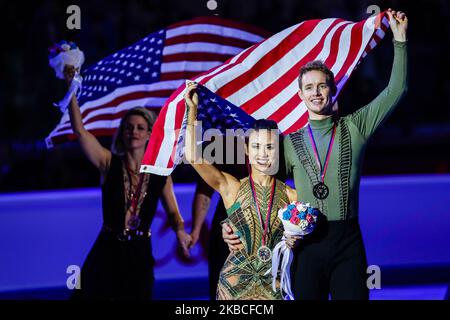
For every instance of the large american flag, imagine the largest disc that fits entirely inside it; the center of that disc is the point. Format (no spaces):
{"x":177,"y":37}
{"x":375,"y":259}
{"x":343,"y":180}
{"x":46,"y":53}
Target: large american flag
{"x":147,"y":72}
{"x":262,"y":80}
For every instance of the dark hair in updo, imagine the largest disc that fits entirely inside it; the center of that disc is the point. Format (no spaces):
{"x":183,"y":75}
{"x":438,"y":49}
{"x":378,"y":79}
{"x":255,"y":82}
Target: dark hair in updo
{"x":262,"y":124}
{"x":265,"y":124}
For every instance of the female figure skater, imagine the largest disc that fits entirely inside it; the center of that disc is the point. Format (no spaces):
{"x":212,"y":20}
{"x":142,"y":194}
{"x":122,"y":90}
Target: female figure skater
{"x":120,"y":264}
{"x":252,"y":204}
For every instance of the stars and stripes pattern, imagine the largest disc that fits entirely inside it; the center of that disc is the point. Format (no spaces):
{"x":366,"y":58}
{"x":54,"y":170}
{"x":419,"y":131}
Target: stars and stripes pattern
{"x":216,"y":113}
{"x":262,"y":80}
{"x":147,"y":72}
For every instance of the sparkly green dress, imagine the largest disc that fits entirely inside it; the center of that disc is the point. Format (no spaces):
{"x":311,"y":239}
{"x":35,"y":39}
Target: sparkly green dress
{"x":242,"y":276}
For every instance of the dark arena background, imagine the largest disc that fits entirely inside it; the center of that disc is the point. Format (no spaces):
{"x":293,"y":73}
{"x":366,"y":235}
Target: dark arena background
{"x":50,"y":199}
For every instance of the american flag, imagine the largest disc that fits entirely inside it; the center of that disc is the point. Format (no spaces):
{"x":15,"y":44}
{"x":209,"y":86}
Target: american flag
{"x":262,"y":80}
{"x":147,"y":72}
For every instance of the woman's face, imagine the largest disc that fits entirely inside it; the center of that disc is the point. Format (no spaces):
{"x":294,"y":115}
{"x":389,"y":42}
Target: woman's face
{"x":135,"y":133}
{"x":263,"y":151}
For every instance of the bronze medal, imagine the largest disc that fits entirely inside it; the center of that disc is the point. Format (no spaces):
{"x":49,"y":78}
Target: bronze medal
{"x":321,"y":191}
{"x":264,"y":254}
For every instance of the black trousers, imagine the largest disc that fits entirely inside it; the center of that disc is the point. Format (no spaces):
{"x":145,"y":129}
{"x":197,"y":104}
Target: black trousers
{"x":217,"y":250}
{"x":331,"y":260}
{"x":116,"y":270}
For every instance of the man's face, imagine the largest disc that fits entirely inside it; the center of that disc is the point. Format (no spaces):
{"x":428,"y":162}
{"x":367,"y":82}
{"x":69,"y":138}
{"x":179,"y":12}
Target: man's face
{"x":316,"y":92}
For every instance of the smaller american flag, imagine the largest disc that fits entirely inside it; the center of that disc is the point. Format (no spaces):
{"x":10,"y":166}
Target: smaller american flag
{"x":139,"y":63}
{"x":147,"y":72}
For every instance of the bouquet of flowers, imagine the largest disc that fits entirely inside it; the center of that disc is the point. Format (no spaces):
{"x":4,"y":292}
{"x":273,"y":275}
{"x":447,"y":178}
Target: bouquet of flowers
{"x":299,"y":219}
{"x":66,"y":53}
{"x":63,"y":53}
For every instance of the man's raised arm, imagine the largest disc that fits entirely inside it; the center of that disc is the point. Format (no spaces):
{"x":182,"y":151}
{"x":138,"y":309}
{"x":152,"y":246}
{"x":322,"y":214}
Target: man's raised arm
{"x":371,"y":116}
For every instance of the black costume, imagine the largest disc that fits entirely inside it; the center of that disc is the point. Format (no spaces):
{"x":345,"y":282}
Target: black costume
{"x":121,"y":266}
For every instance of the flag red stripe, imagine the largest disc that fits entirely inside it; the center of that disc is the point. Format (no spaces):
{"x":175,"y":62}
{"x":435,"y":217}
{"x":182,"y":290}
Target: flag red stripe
{"x":295,"y":101}
{"x":278,"y":85}
{"x":178,"y":75}
{"x":300,"y":123}
{"x":222,"y":22}
{"x":178,"y":119}
{"x":211,"y":38}
{"x":195,"y":56}
{"x":266,"y":61}
{"x":355,"y":45}
{"x":128,"y":97}
{"x":180,"y":104}
{"x":334,"y":47}
{"x":271,"y":57}
{"x":107,"y":117}
{"x":228,"y":64}
{"x":236,"y":39}
{"x":158,"y":133}
{"x":241,"y":58}
{"x":285,"y":109}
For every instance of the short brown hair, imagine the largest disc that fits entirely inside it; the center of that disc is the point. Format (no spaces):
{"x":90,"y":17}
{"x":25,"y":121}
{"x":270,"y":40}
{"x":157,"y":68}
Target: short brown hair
{"x":319,"y":66}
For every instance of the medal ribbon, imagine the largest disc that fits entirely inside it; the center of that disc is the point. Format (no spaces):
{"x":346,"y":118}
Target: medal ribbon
{"x":265,"y":226}
{"x":135,"y":198}
{"x":323,"y":169}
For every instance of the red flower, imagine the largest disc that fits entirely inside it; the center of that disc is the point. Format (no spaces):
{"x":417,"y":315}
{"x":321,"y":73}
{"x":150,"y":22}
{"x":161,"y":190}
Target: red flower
{"x":294,"y":211}
{"x":309,"y":218}
{"x":295,"y":220}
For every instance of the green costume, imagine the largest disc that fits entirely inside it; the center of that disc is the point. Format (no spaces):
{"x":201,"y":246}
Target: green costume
{"x":243,"y":274}
{"x":352,"y":135}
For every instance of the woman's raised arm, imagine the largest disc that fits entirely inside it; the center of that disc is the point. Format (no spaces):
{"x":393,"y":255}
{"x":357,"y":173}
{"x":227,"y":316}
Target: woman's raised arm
{"x":94,"y":151}
{"x":222,"y":182}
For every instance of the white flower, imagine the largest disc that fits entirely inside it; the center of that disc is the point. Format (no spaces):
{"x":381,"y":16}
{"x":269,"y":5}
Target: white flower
{"x":303,"y":224}
{"x":65,"y":47}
